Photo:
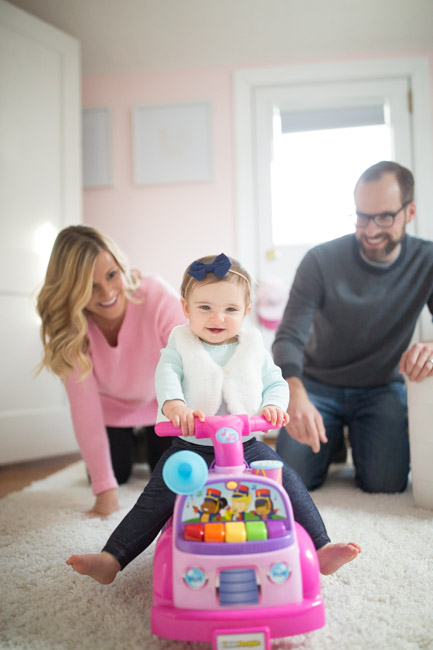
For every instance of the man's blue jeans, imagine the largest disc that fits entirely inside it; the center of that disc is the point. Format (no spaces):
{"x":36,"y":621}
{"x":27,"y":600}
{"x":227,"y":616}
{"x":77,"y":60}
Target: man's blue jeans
{"x":377,"y":422}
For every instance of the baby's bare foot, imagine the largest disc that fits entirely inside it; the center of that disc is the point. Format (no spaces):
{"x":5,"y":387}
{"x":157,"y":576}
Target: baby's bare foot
{"x":102,"y":567}
{"x":333,"y":556}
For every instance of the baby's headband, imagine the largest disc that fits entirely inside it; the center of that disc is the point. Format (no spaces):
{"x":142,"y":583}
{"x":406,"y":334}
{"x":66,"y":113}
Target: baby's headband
{"x":221,"y":265}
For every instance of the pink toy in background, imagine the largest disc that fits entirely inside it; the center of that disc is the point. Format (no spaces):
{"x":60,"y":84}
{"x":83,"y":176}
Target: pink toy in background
{"x":271,"y":301}
{"x":232,"y":567}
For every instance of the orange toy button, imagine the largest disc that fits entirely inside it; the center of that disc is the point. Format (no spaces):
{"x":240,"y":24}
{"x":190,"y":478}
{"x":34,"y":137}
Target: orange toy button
{"x":214,"y":532}
{"x":193,"y":532}
{"x":236,"y":531}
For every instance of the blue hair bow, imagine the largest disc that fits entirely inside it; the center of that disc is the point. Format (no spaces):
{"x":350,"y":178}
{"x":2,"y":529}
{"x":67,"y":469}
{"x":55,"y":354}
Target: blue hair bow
{"x":220,"y":266}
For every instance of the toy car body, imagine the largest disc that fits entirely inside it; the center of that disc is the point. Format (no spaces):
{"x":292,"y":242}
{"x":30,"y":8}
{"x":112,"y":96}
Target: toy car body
{"x":232,"y":566}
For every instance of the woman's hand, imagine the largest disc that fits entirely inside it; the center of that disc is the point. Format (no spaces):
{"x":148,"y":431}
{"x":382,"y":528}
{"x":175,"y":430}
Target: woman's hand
{"x":181,"y":416}
{"x":105,"y":504}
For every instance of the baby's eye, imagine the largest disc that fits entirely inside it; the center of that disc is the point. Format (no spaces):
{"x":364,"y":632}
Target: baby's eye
{"x":204,"y":307}
{"x":232,"y":309}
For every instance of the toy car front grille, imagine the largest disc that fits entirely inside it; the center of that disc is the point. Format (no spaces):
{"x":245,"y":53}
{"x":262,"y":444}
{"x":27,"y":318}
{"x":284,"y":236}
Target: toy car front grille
{"x":238,"y":587}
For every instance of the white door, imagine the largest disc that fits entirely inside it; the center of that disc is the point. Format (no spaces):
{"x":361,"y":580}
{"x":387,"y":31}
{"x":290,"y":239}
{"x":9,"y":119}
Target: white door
{"x":258,"y":92}
{"x":306,"y":198}
{"x":40,"y":193}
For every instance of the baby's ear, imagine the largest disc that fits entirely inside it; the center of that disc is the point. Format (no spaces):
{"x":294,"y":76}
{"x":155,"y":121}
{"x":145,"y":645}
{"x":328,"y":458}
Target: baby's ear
{"x":184,"y":304}
{"x":247,"y":310}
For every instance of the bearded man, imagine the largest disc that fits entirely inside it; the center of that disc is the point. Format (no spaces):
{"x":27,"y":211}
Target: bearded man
{"x":344,"y":344}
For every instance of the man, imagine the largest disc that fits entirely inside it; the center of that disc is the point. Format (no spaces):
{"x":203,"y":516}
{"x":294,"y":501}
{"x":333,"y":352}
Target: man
{"x":343,"y":341}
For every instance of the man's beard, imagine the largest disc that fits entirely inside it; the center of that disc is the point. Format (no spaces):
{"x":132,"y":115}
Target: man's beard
{"x":381,"y":254}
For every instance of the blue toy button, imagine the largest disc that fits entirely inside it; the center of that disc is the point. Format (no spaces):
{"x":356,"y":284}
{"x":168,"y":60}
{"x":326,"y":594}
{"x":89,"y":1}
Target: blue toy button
{"x":279,"y":573}
{"x":195,"y":578}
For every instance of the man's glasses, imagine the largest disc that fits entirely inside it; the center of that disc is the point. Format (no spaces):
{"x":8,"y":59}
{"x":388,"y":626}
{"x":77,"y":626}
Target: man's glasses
{"x":383,"y":220}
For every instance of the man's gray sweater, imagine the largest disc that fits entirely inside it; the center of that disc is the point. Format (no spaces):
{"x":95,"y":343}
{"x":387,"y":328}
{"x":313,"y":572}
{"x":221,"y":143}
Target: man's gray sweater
{"x":347,"y":322}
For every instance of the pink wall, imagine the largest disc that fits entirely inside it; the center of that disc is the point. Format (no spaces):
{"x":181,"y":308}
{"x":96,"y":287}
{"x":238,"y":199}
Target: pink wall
{"x":162,"y":228}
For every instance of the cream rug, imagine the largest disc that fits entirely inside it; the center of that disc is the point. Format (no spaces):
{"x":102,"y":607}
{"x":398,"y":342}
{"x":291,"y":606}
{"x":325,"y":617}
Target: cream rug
{"x":383,"y":600}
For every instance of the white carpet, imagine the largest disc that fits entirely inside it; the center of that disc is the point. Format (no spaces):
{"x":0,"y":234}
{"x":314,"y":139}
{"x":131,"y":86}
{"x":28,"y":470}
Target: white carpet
{"x":383,"y":600}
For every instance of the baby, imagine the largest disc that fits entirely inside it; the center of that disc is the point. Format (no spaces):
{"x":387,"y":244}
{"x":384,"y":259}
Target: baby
{"x":212,"y":366}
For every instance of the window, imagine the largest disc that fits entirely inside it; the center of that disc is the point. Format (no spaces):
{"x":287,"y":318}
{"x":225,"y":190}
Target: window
{"x":317,"y":158}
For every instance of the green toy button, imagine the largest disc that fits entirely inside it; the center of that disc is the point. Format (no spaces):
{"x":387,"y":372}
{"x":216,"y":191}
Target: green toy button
{"x":256,"y":530}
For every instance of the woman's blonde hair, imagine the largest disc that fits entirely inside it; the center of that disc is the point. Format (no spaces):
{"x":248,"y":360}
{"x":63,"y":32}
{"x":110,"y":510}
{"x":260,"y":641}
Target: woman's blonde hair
{"x":236,"y":274}
{"x":65,"y":293}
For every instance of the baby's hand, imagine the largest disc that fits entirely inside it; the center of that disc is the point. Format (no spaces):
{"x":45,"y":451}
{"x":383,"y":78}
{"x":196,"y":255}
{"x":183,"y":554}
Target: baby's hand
{"x":276,"y":416}
{"x":181,"y":416}
{"x":185,"y":420}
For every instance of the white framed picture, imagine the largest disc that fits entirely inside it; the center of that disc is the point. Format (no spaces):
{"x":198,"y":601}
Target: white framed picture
{"x":172,"y":143}
{"x":97,"y":166}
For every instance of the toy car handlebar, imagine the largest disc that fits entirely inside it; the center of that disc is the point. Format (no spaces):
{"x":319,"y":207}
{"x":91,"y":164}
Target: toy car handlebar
{"x":226,"y":433}
{"x":244,"y":424}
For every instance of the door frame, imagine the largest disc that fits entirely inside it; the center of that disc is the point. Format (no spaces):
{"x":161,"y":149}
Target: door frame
{"x":247,"y":82}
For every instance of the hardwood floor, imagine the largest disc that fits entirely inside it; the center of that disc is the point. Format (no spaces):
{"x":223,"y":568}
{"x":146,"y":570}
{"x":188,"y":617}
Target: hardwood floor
{"x":15,"y":477}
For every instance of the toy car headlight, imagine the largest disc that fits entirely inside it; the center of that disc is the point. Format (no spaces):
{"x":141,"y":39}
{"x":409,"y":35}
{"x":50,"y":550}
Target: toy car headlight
{"x":279,"y":573}
{"x":195,"y":578}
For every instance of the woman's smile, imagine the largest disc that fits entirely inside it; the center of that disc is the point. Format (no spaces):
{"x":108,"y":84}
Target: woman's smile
{"x":109,"y":303}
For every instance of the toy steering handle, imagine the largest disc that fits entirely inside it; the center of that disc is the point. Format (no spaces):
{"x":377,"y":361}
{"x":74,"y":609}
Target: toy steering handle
{"x":226,"y":433}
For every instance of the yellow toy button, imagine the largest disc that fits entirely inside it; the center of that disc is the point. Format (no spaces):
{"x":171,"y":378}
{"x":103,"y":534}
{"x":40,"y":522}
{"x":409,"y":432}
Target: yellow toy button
{"x":235,"y":531}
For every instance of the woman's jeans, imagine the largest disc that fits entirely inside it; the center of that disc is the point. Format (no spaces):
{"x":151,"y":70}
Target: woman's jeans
{"x":155,"y":504}
{"x":378,"y":432}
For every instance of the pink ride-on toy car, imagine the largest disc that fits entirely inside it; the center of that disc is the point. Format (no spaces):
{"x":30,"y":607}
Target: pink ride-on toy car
{"x":231,"y":566}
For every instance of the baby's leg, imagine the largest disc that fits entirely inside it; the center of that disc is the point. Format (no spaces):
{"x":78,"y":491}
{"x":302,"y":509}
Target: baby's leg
{"x":333,"y":556}
{"x":305,"y":511}
{"x":102,"y":567}
{"x":135,"y":532}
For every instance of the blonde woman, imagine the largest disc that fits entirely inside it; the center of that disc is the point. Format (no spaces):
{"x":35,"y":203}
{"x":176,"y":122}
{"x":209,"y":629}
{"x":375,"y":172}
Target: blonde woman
{"x":103,"y":326}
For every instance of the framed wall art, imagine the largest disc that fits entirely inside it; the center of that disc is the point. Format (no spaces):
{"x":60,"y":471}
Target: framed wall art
{"x":97,"y":165}
{"x":172,"y":143}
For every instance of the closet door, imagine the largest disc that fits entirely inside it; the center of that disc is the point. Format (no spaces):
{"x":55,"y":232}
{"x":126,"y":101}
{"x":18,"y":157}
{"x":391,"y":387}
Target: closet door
{"x":40,"y":193}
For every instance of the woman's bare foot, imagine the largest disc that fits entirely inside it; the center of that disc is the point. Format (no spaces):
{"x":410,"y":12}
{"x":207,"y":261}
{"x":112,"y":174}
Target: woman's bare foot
{"x":102,"y":567}
{"x":333,"y":556}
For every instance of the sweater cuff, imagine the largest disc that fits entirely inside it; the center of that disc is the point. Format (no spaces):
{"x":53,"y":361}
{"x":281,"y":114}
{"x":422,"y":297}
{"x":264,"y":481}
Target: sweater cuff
{"x":290,"y":370}
{"x":104,"y":485}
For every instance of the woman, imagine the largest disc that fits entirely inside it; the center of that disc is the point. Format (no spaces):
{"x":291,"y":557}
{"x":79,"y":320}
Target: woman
{"x":103,"y":326}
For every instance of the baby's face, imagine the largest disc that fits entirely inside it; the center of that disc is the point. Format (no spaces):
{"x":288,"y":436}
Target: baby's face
{"x":216,"y":311}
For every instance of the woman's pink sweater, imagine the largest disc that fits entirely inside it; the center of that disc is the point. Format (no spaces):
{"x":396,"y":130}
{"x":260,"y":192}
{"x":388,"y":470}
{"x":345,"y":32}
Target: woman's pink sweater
{"x":120,"y":392}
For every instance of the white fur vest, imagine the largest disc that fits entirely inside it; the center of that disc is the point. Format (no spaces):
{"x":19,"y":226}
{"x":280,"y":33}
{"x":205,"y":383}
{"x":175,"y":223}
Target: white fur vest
{"x":206,"y":384}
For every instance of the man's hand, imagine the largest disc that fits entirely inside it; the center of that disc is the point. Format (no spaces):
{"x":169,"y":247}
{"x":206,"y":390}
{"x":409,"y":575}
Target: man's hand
{"x":105,"y":504}
{"x":417,"y":362}
{"x":306,"y":423}
{"x":181,"y":416}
